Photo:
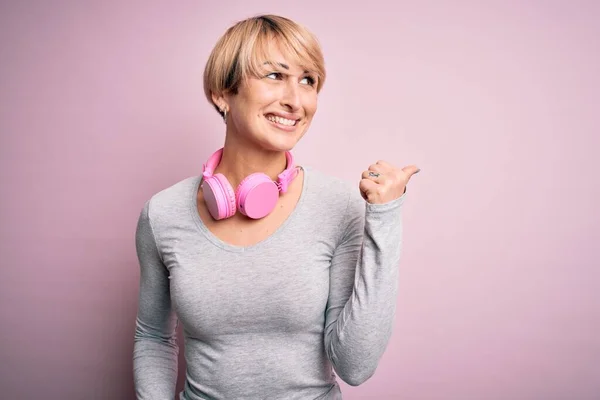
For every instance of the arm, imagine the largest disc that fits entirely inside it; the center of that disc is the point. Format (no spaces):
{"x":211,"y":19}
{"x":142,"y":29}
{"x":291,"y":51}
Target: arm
{"x":155,"y":344}
{"x":363,"y":288}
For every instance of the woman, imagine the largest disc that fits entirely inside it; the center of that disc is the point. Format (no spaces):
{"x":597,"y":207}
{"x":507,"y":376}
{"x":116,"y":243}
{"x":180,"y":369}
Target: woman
{"x":280,"y":274}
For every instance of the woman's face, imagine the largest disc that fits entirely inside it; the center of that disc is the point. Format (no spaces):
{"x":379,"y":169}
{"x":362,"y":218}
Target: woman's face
{"x":275,"y":110}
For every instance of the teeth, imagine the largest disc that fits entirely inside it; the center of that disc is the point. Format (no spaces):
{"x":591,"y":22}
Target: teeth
{"x":282,"y":121}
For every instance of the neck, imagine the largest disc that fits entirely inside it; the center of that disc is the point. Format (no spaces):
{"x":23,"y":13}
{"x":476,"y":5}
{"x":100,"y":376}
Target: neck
{"x":242,"y":159}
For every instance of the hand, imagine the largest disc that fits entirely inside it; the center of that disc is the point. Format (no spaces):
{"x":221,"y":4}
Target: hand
{"x":389,"y":185}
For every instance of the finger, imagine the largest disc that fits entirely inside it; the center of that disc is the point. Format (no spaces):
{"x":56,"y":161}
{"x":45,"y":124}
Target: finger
{"x":370,"y":176}
{"x":366,"y":187}
{"x":377,"y":168}
{"x":410,"y":170}
{"x":384,"y":164}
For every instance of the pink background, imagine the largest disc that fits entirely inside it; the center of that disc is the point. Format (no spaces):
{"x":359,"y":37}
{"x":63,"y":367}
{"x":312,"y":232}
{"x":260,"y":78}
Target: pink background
{"x":101,"y":106}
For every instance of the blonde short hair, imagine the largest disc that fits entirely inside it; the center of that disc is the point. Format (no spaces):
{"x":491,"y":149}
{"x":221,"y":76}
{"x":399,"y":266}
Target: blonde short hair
{"x":242,"y":50}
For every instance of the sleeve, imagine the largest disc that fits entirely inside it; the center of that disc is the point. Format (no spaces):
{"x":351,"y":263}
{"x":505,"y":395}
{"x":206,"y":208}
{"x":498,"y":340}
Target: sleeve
{"x":363,"y":288}
{"x":155,"y":348}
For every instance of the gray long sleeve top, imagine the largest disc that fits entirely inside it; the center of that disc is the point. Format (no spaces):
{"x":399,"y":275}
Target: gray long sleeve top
{"x":272,"y":320}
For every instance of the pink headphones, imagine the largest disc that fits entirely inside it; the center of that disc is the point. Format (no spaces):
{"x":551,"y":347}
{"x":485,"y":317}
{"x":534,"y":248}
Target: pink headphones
{"x":256,"y":195}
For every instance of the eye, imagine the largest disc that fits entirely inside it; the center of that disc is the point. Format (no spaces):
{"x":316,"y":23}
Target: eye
{"x":276,"y":75}
{"x":310,"y":79}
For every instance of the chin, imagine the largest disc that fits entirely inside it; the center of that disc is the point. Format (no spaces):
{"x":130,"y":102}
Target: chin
{"x":273,"y":144}
{"x":279,"y":140}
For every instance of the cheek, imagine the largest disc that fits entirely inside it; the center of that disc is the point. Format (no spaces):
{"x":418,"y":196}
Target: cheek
{"x":312,"y":106}
{"x":309,"y":101}
{"x":264,"y":96}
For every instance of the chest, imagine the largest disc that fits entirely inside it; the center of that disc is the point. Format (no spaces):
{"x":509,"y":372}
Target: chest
{"x":277,"y":289}
{"x":239,"y":231}
{"x":278,"y":286}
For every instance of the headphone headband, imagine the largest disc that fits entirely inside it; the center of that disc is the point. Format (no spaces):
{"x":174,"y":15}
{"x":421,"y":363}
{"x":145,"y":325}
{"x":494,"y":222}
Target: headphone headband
{"x":283,"y":179}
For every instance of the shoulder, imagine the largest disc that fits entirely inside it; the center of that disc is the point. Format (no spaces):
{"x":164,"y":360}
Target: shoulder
{"x":333,"y":191}
{"x":334,"y":185}
{"x":172,"y":200}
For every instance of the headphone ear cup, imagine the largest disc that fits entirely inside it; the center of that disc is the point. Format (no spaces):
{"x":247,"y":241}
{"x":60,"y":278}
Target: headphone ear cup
{"x":257,"y":195}
{"x":219,"y":197}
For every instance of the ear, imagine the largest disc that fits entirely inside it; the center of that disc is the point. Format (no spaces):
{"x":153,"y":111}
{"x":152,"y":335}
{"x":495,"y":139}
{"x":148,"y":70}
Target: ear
{"x":220,"y":102}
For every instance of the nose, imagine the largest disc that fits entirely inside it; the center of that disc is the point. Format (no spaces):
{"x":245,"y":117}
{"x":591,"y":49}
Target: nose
{"x":291,"y":96}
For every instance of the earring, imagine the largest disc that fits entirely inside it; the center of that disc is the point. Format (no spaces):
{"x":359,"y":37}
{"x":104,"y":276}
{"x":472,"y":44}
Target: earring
{"x":224,"y":111}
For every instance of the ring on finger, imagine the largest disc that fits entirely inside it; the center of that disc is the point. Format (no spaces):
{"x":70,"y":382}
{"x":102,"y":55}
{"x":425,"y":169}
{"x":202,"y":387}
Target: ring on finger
{"x":373,"y":174}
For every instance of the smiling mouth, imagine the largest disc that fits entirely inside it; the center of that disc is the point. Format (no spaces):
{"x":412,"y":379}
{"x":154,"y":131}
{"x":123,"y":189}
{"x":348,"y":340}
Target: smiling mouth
{"x":281,"y":121}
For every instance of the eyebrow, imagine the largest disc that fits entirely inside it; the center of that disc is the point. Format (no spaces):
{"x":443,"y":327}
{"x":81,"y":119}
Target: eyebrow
{"x":285,"y":66}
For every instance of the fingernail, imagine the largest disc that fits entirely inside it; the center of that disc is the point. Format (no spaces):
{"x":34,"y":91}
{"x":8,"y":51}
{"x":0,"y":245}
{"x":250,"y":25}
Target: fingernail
{"x":418,"y":170}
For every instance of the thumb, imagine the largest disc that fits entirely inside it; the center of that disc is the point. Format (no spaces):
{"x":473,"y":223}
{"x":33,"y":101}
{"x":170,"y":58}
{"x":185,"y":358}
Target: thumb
{"x":411,"y":170}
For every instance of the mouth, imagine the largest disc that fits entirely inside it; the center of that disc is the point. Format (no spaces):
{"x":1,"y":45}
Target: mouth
{"x":281,"y":122}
